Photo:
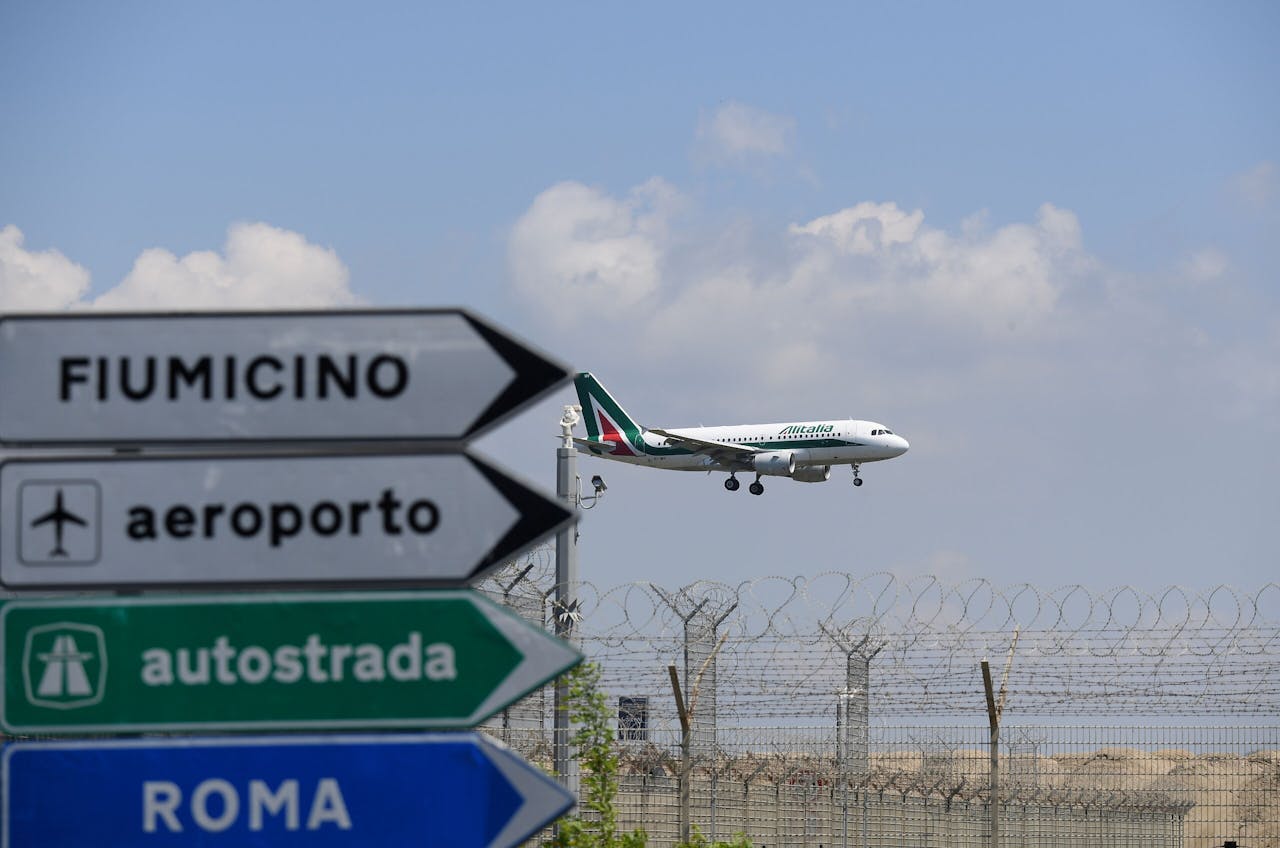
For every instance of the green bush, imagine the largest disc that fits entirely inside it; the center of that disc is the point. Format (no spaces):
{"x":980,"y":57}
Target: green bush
{"x":598,"y":761}
{"x":598,"y":764}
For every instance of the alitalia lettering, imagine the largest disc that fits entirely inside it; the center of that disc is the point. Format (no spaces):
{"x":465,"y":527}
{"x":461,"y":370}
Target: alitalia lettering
{"x":215,"y":805}
{"x":314,"y":661}
{"x":800,"y":429}
{"x":265,"y":377}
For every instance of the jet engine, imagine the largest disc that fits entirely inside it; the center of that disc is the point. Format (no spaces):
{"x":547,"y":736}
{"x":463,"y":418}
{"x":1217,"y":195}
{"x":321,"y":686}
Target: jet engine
{"x":774,"y":463}
{"x":812,"y":474}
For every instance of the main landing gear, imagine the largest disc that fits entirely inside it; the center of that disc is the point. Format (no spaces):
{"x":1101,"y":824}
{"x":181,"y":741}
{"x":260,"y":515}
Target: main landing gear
{"x":756,"y":488}
{"x":857,"y":481}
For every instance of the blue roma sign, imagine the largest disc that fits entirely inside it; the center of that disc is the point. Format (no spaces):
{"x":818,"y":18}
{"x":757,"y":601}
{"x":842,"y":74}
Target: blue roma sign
{"x":463,"y":790}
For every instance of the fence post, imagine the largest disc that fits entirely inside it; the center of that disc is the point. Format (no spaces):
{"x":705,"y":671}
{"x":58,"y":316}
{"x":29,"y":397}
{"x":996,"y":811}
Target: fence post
{"x":686,"y":738}
{"x":994,"y":710}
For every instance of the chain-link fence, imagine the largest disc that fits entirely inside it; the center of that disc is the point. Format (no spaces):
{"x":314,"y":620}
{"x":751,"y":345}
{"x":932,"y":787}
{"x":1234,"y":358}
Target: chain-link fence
{"x":843,"y":711}
{"x":928,"y":785}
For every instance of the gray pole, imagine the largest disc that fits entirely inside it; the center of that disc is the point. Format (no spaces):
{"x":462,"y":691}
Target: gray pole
{"x":995,"y":709}
{"x":565,"y":610}
{"x":993,"y":751}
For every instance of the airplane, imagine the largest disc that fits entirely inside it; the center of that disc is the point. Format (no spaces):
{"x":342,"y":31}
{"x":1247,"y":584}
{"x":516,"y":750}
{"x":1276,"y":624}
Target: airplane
{"x":803,"y":451}
{"x":60,"y":517}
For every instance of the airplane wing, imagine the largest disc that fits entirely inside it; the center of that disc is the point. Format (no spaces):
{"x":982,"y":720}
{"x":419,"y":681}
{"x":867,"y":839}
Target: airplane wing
{"x":45,"y":519}
{"x":719,"y":451}
{"x":58,"y":515}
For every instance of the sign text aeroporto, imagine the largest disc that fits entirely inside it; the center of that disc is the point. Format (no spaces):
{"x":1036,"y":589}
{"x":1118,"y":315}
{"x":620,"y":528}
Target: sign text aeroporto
{"x":401,"y":375}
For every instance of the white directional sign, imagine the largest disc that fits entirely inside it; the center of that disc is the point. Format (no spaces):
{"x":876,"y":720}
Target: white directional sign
{"x":227,"y":521}
{"x":408,"y":375}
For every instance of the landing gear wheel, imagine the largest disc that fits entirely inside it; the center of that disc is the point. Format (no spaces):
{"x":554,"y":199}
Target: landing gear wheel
{"x":732,"y":484}
{"x":756,"y":488}
{"x":857,"y":481}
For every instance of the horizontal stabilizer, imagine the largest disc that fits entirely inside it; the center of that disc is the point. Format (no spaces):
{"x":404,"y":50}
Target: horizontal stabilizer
{"x":595,"y":446}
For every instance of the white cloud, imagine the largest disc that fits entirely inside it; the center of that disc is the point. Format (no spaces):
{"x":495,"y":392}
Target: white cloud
{"x":31,"y":281}
{"x":578,"y":251}
{"x":1256,"y":186}
{"x":582,"y":256}
{"x":865,"y":228}
{"x":870,"y":305}
{"x":261,"y":266}
{"x":736,"y":131}
{"x":886,"y":260}
{"x":1206,"y":264}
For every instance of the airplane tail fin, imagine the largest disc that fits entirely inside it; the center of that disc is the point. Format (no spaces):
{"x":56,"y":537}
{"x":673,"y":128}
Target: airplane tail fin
{"x":606,"y":420}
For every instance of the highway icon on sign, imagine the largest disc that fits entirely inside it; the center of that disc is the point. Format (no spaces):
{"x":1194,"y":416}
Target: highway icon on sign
{"x":59,"y":522}
{"x":64,"y":665}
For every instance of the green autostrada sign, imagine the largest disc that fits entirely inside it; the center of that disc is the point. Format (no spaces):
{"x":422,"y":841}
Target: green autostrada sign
{"x":267,"y":661}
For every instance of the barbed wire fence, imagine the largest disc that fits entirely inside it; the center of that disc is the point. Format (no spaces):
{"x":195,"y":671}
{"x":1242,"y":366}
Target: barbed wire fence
{"x":849,"y":710}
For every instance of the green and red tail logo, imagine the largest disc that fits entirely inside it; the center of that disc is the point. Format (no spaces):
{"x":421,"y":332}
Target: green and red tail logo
{"x":606,"y":420}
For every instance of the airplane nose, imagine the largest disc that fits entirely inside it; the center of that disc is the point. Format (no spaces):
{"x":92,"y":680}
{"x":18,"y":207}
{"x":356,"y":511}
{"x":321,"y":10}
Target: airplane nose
{"x":901,"y":445}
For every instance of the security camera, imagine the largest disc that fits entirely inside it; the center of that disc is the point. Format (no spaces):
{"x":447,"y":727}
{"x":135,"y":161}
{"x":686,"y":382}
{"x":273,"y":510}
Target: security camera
{"x":598,"y":482}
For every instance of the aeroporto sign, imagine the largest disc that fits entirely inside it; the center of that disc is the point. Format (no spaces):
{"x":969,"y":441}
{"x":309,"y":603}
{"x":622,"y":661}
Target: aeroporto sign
{"x":407,"y":375}
{"x":295,"y":520}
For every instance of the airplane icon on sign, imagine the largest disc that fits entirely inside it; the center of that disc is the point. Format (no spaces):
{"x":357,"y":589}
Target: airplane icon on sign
{"x":60,"y":516}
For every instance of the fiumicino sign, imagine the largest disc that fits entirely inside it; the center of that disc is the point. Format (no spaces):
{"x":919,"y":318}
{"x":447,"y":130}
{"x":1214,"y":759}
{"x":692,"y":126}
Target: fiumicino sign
{"x":255,"y":521}
{"x":267,"y":661}
{"x":461,"y":790}
{"x":410,"y":375}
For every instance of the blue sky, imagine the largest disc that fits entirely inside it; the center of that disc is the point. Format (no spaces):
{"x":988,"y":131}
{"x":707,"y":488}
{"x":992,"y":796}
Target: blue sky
{"x":1040,"y":242}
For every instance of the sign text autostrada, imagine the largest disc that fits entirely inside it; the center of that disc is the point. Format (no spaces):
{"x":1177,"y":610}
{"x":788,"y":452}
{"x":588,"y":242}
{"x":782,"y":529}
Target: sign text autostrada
{"x":407,"y":375}
{"x":267,"y":661}
{"x":297,"y":520}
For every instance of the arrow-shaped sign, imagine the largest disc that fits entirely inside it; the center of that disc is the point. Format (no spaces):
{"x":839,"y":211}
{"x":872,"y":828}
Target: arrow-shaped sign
{"x":442,"y":376}
{"x":461,"y":790}
{"x":337,"y":660}
{"x":253,"y":521}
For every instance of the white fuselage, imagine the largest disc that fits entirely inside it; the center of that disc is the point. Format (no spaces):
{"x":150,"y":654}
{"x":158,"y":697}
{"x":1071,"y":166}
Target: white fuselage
{"x":811,"y":443}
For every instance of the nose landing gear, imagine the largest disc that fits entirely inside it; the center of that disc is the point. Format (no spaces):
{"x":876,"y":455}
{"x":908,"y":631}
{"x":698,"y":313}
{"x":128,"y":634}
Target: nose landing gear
{"x":857,"y":481}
